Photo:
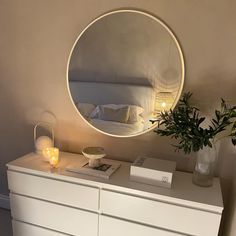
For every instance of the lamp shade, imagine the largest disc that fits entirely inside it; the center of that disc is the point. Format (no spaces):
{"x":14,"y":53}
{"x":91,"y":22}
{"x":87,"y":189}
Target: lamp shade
{"x":163,"y":101}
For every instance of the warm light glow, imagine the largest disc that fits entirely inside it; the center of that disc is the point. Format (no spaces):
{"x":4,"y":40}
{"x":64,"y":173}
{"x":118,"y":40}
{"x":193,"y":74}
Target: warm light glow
{"x":52,"y":155}
{"x":53,"y":161}
{"x":163,"y":104}
{"x":164,"y":101}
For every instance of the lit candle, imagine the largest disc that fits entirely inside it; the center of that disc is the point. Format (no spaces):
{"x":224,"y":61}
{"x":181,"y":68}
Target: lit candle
{"x":53,"y":161}
{"x":51,"y":154}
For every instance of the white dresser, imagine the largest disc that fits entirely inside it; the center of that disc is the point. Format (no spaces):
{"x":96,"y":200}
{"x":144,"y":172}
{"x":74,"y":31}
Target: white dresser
{"x":46,"y":202}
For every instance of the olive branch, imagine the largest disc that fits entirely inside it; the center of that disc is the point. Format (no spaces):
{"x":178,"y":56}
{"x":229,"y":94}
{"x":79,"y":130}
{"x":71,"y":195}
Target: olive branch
{"x":184,"y":124}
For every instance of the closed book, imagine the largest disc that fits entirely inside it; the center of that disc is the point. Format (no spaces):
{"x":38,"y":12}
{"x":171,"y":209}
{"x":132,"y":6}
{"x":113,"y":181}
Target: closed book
{"x":153,"y":171}
{"x":104,"y":170}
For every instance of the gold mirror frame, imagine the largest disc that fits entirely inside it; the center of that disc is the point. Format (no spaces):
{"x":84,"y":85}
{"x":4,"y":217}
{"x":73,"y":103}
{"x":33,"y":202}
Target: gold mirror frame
{"x":180,"y":55}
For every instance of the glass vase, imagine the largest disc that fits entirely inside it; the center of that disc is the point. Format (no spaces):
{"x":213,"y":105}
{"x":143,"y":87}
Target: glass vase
{"x":205,"y":165}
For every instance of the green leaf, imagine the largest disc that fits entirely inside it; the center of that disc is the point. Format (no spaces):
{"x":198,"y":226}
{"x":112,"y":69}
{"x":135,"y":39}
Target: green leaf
{"x":234,"y":141}
{"x":209,"y":143}
{"x":217,"y":113}
{"x":201,"y":120}
{"x":183,"y":124}
{"x":234,"y":125}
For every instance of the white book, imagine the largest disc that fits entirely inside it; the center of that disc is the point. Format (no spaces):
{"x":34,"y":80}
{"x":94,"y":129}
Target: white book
{"x":104,"y":170}
{"x":153,"y":171}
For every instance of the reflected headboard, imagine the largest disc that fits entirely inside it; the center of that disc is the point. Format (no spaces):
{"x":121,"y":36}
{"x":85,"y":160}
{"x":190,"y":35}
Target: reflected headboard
{"x":110,"y":93}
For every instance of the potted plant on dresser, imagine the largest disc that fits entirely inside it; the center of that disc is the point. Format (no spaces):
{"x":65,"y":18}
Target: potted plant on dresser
{"x":185,"y":124}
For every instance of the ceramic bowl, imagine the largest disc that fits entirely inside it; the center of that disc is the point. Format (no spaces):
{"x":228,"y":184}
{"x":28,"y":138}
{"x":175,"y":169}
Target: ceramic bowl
{"x":94,"y":154}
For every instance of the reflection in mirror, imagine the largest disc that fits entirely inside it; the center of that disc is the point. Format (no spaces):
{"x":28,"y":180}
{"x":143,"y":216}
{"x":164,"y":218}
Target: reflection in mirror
{"x":125,"y":68}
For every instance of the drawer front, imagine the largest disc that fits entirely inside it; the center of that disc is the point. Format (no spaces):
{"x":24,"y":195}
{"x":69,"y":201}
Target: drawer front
{"x":164,"y":215}
{"x":52,"y":216}
{"x":23,"y":229}
{"x":54,"y":190}
{"x":110,"y":226}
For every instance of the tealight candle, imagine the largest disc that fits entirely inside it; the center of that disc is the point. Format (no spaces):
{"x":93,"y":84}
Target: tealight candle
{"x":53,"y":161}
{"x":51,"y":154}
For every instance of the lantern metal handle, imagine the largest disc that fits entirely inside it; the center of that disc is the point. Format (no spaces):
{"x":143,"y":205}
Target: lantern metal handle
{"x":43,"y":124}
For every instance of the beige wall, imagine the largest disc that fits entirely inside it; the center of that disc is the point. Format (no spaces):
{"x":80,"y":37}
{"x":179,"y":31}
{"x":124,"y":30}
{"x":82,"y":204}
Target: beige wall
{"x":35,"y":41}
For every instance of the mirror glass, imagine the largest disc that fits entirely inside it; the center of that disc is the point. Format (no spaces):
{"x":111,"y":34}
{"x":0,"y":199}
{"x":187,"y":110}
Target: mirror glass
{"x":124,"y":68}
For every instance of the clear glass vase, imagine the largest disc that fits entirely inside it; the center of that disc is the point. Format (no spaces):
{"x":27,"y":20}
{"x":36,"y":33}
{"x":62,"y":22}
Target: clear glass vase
{"x":205,"y":165}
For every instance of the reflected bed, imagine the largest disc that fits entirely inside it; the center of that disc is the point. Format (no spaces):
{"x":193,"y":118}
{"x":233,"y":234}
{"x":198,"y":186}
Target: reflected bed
{"x":138,"y":98}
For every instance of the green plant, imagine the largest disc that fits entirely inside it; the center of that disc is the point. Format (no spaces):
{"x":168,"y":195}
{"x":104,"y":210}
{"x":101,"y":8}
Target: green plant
{"x":184,"y":123}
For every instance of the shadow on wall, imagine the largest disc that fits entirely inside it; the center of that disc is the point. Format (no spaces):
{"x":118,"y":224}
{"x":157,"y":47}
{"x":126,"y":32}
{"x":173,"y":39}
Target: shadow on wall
{"x":124,"y":149}
{"x":226,"y":170}
{"x":16,"y":137}
{"x":230,"y":225}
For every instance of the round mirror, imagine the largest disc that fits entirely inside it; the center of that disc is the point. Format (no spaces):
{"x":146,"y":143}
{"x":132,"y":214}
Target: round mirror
{"x":124,"y":69}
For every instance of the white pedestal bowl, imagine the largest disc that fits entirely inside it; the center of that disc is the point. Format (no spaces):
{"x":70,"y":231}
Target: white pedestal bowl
{"x":94,"y":154}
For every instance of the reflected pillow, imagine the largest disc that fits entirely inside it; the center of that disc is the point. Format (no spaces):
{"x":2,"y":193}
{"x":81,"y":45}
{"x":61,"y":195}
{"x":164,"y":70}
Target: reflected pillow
{"x":114,"y":114}
{"x":85,"y":109}
{"x":134,"y":114}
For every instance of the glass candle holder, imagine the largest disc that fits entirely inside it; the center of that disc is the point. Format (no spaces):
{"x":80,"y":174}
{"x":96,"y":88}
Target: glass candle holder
{"x":51,"y":154}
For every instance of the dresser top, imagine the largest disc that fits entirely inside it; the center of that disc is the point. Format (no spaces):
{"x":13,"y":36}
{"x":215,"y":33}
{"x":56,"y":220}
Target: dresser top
{"x":183,"y":191}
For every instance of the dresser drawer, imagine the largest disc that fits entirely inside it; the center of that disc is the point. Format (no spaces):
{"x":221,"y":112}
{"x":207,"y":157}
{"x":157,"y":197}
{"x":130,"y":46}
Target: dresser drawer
{"x":110,"y":226}
{"x":70,"y":194}
{"x":52,"y":216}
{"x":23,"y":229}
{"x":164,"y":215}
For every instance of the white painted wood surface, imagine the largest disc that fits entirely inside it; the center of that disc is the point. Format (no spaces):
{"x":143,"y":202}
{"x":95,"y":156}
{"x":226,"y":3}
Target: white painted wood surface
{"x":75,"y":204}
{"x":183,"y":191}
{"x":54,"y":216}
{"x":160,"y":214}
{"x":53,"y":190}
{"x":23,"y":229}
{"x":115,"y":227}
